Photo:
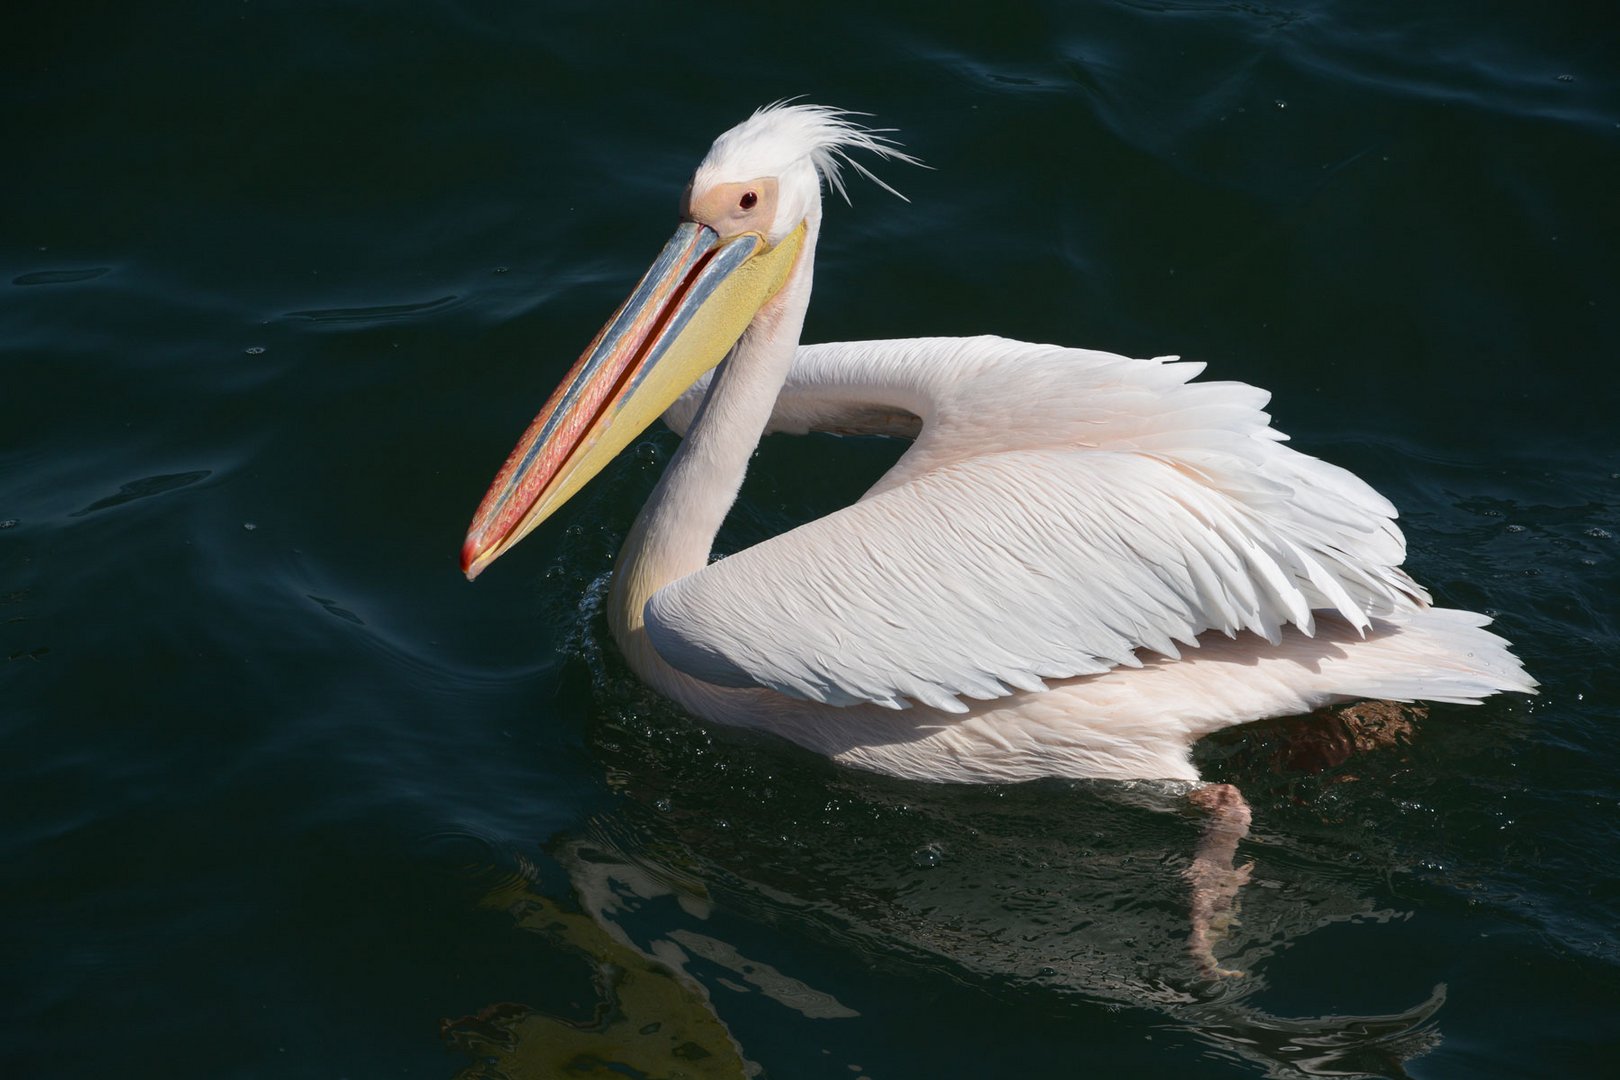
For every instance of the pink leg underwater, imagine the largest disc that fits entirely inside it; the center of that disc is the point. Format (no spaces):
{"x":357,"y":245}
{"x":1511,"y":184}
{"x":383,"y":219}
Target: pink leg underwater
{"x":1214,"y":879}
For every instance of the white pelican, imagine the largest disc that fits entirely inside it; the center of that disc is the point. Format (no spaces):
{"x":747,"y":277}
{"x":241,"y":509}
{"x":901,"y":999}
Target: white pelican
{"x":1082,"y":564}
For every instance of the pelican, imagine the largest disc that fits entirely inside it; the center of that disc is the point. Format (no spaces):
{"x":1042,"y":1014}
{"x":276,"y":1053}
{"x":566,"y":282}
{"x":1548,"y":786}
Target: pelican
{"x":1082,"y":564}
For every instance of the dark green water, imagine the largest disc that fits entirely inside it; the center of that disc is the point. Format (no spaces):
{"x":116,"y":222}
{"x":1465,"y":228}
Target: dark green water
{"x":281,"y":283}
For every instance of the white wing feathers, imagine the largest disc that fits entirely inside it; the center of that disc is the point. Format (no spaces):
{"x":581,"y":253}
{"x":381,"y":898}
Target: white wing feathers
{"x":1061,"y":510}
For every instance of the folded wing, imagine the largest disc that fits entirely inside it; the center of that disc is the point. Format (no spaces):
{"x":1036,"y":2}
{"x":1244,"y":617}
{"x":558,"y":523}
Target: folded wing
{"x":1060,"y":512}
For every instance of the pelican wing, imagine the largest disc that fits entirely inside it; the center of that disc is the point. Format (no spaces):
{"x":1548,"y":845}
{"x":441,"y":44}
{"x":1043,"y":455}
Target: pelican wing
{"x":1060,"y":511}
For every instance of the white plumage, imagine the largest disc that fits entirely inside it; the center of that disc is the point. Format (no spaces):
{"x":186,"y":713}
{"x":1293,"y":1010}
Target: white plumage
{"x":1061,"y":510}
{"x":1083,"y":563}
{"x":1062,"y":513}
{"x":804,"y":143}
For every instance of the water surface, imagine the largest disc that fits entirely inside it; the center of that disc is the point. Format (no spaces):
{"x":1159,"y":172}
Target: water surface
{"x":281,"y":283}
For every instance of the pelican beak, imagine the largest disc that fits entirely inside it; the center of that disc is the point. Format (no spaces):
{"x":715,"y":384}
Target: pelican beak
{"x":681,"y":320}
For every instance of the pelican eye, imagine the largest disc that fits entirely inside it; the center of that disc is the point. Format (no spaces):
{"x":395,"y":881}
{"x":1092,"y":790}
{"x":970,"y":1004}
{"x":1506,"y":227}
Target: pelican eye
{"x":748,"y":200}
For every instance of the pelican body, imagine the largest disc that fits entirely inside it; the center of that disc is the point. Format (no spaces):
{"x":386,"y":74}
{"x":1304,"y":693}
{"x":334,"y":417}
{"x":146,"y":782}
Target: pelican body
{"x":1082,"y":564}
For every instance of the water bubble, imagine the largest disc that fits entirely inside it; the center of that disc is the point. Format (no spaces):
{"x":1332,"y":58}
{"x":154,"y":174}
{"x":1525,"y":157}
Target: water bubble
{"x":1280,"y":103}
{"x":255,"y":350}
{"x":1597,"y":533}
{"x":928,"y":856}
{"x":1566,"y":78}
{"x":1515,"y":528}
{"x":249,"y":526}
{"x":500,"y":270}
{"x":662,"y":805}
{"x":9,"y":523}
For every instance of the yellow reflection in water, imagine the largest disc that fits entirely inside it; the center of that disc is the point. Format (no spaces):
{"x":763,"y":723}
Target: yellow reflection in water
{"x":650,"y":1021}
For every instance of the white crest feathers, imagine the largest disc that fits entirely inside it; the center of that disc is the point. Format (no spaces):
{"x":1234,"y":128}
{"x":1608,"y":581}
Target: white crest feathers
{"x":782,"y":134}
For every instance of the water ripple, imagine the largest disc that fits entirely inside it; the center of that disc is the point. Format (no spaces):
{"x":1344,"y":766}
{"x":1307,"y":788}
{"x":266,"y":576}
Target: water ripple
{"x":145,"y":489}
{"x":61,"y":277}
{"x":374,"y":313}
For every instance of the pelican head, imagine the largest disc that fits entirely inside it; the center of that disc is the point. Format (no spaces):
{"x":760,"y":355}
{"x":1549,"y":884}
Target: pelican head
{"x":750,"y":211}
